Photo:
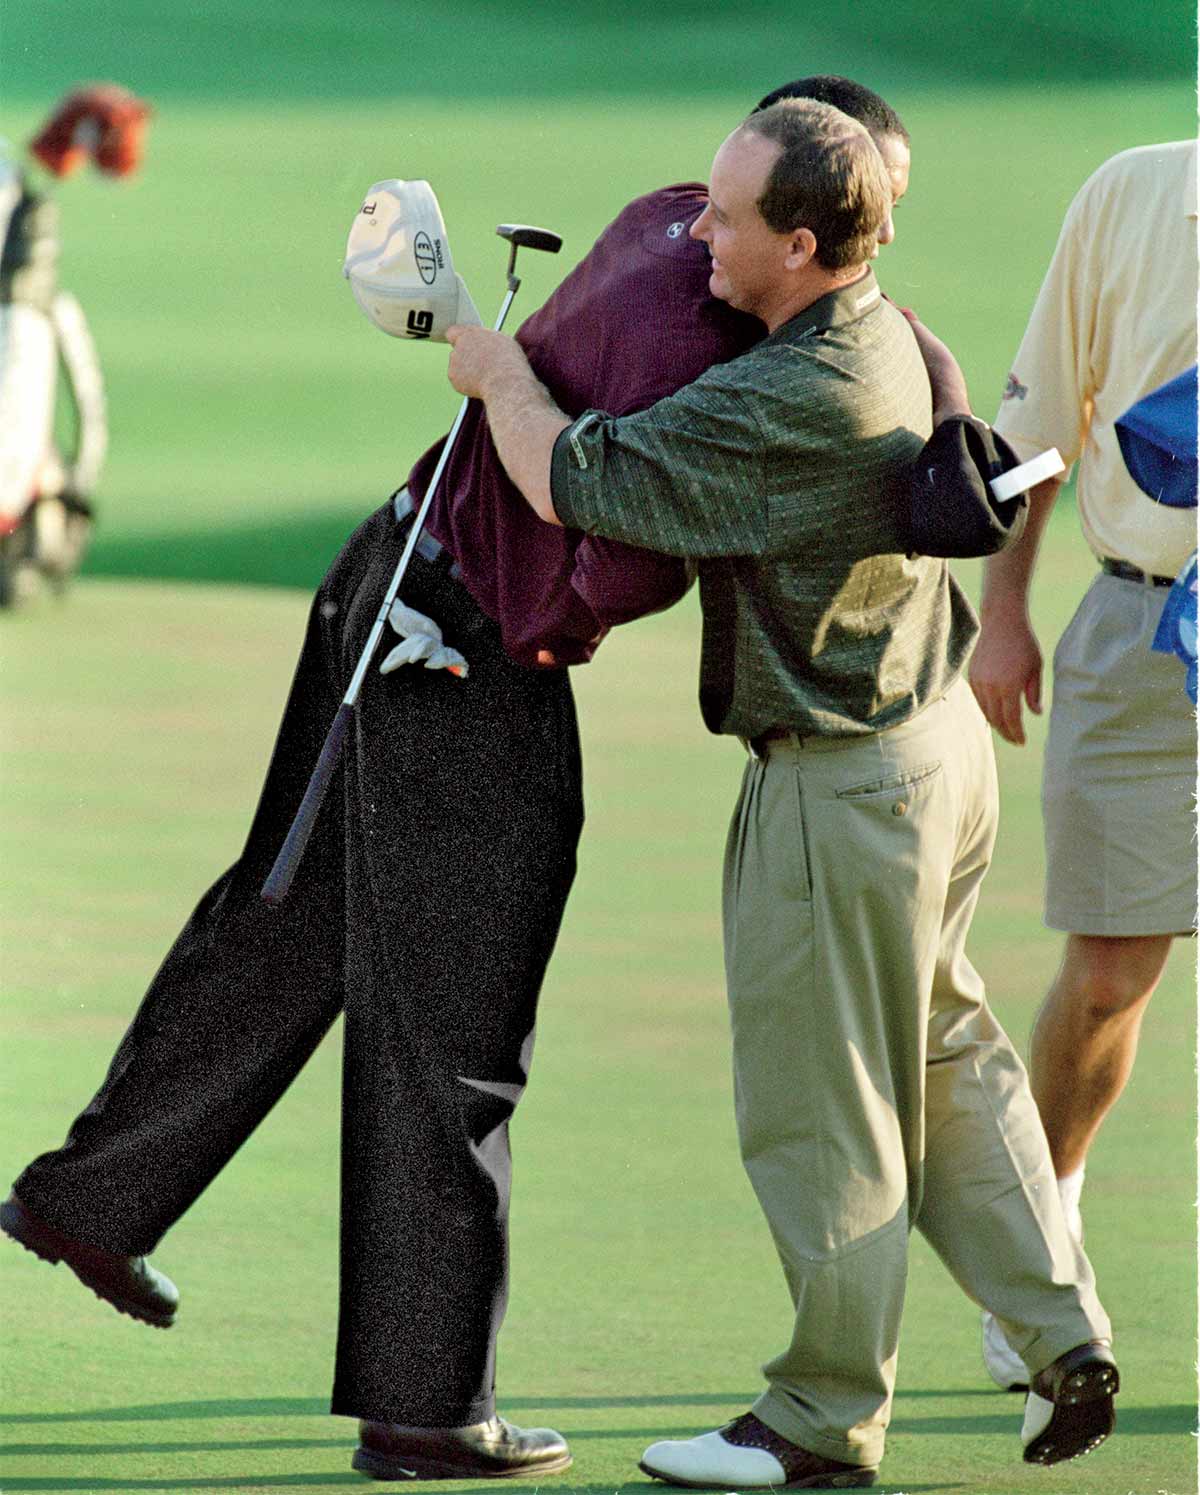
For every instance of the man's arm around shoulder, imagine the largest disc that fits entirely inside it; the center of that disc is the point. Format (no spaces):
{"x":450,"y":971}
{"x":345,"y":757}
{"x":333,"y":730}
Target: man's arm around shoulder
{"x":953,"y":512}
{"x":523,"y":419}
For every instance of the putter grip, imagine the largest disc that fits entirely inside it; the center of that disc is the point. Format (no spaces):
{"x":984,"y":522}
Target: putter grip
{"x":279,"y":879}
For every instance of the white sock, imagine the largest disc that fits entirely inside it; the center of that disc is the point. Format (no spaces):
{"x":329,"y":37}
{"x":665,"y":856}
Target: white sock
{"x":1069,"y":1190}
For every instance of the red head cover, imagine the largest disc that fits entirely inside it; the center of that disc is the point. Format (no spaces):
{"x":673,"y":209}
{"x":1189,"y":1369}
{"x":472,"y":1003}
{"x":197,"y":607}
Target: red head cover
{"x":103,"y":121}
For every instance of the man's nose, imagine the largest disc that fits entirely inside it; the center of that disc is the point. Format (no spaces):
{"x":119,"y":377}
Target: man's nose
{"x":887,"y":230}
{"x":697,"y":229}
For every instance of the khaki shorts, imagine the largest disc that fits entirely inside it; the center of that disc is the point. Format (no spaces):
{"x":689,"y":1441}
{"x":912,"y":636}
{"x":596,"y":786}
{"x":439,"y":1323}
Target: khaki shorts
{"x":1120,"y":773}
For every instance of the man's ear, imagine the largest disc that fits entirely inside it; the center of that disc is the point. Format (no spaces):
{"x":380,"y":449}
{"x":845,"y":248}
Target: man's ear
{"x":801,"y":248}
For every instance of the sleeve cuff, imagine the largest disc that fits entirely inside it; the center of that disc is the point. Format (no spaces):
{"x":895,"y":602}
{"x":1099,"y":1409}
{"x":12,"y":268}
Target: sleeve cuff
{"x":565,"y":493}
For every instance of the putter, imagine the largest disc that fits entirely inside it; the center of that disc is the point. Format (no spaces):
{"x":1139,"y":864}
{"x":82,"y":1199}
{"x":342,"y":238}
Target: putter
{"x":279,"y":879}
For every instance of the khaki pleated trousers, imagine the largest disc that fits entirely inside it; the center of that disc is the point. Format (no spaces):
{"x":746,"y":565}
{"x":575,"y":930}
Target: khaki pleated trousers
{"x":874,"y":1088}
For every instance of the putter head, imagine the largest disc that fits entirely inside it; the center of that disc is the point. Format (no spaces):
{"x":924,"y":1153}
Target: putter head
{"x":523,"y":236}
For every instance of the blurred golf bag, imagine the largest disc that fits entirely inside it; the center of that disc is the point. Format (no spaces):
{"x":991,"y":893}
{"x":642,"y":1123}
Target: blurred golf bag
{"x":50,"y":457}
{"x":53,"y":426}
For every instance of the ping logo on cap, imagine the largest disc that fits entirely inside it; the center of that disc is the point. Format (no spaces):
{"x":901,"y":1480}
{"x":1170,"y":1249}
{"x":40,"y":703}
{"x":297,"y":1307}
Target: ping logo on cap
{"x":428,"y":254}
{"x":399,"y":264}
{"x":675,"y":230}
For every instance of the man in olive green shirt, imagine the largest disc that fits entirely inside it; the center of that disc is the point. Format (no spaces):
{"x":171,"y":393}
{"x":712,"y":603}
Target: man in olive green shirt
{"x":874,"y":1089}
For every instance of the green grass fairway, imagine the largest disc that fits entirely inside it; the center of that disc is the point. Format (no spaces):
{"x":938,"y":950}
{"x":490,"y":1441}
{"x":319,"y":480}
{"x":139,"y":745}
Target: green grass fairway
{"x":518,"y":48}
{"x":137,"y":721}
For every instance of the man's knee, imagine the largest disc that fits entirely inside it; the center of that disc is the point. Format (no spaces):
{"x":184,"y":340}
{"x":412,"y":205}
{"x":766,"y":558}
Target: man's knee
{"x":1112,"y":975}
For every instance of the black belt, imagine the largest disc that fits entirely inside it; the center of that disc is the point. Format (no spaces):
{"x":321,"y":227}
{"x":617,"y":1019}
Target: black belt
{"x":758,"y":745}
{"x":1131,"y":573}
{"x":427,"y":547}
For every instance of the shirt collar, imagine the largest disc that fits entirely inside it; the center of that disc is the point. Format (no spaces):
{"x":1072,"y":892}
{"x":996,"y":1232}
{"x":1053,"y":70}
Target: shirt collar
{"x":847,"y":304}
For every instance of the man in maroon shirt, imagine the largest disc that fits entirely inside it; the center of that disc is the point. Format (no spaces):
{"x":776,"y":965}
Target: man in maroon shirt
{"x":429,"y":899}
{"x":634,"y":319}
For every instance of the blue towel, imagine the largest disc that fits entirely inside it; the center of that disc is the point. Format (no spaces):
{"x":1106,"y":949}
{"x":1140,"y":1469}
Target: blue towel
{"x":1176,"y":632}
{"x":1158,"y":442}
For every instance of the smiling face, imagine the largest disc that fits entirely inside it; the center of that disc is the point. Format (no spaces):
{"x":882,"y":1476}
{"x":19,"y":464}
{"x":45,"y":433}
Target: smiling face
{"x":748,"y":257}
{"x":755,"y":266}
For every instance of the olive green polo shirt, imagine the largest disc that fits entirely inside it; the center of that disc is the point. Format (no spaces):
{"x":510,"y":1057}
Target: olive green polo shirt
{"x":785,"y":474}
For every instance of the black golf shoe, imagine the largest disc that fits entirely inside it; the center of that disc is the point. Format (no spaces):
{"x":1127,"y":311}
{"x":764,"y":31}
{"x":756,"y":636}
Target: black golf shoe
{"x":485,"y":1450}
{"x":129,"y":1283}
{"x":1069,"y":1410}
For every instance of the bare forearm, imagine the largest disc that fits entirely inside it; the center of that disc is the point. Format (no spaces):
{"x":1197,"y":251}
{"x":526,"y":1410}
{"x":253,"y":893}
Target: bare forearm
{"x":525,"y":423}
{"x":1008,"y":575}
{"x":947,"y":385}
{"x":948,"y":402}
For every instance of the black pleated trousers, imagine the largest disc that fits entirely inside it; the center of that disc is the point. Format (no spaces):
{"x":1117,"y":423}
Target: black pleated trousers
{"x":426,"y":907}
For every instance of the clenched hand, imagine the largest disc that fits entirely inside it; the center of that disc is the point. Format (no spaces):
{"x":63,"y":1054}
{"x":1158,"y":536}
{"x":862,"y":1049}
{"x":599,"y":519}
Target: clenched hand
{"x":479,"y":356}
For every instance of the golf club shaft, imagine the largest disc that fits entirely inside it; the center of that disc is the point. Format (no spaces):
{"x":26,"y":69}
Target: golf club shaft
{"x":414,"y":535}
{"x":279,"y":879}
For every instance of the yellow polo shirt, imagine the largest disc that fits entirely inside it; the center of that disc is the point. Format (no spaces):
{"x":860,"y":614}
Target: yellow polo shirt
{"x":1115,"y":318}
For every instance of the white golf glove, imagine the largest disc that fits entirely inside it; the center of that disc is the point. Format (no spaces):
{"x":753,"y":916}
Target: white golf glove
{"x":422,"y":644}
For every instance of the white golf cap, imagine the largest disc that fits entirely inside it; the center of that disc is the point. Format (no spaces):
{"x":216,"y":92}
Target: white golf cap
{"x":399,"y":267}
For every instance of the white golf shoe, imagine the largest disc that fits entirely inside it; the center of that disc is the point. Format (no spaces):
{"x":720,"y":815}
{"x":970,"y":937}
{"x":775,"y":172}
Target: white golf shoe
{"x":748,"y":1455}
{"x":708,"y":1461}
{"x":1000,"y":1360}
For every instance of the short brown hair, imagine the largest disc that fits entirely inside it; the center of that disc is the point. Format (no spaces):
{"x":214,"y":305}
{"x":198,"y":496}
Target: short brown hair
{"x":829,"y":178}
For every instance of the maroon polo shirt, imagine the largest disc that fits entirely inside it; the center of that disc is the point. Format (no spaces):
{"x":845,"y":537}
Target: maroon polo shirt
{"x":631,"y":324}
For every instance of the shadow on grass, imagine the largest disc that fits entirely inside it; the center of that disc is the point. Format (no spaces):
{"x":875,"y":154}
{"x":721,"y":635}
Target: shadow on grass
{"x":349,"y":1481}
{"x":317,"y":1406}
{"x":262,"y":1406}
{"x":90,"y":1482}
{"x":241,"y":1445}
{"x":1175,"y":1419}
{"x":76,"y":1450}
{"x":291,"y":553}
